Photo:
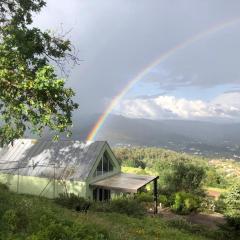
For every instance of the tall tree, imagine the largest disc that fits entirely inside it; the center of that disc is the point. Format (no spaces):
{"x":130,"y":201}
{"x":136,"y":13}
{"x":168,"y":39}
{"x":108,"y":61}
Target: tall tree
{"x":185,"y":177}
{"x":31,"y":95}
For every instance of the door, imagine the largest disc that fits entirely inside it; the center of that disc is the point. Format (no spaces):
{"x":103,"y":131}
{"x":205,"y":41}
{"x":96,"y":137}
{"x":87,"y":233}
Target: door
{"x":100,"y":194}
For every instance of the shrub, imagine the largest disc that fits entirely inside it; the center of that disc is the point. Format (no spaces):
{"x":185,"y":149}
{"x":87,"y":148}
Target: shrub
{"x":214,"y":179}
{"x":3,"y":187}
{"x":185,"y":203}
{"x":59,"y":231}
{"x":232,"y":211}
{"x":163,"y":199}
{"x":128,"y":206}
{"x":15,"y":220}
{"x":220,"y":205}
{"x":207,"y":204}
{"x":185,"y":177}
{"x":88,"y":232}
{"x":72,"y":201}
{"x":144,"y":197}
{"x":53,"y":231}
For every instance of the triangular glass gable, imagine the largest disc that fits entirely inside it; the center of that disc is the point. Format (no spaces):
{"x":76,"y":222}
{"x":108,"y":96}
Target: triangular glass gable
{"x":105,"y":165}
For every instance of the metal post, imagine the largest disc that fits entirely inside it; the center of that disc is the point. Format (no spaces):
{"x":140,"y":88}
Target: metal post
{"x":155,"y":195}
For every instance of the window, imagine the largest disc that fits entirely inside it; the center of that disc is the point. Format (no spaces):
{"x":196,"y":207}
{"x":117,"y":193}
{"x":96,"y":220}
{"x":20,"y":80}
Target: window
{"x":105,"y":165}
{"x":100,"y":194}
{"x":99,"y":168}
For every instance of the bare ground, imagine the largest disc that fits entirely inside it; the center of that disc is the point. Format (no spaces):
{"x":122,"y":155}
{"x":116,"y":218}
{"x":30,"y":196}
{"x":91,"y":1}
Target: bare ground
{"x":210,"y":220}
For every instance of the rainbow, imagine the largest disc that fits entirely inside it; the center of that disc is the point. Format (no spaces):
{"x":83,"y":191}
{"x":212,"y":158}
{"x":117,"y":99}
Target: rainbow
{"x":153,"y":64}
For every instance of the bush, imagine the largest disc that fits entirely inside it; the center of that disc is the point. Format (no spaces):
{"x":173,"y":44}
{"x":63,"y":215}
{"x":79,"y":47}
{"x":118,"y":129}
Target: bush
{"x":3,"y":187}
{"x":232,"y":211}
{"x":144,"y":197}
{"x":163,"y":199}
{"x":58,"y":231}
{"x":16,"y":220}
{"x":185,"y":177}
{"x":72,"y":201}
{"x":207,"y":204}
{"x":184,"y":203}
{"x":128,"y":206}
{"x":220,"y":205}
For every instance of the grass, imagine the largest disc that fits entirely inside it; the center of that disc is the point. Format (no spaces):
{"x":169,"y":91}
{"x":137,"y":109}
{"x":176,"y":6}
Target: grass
{"x":34,"y":218}
{"x":138,"y":170}
{"x":215,"y":189}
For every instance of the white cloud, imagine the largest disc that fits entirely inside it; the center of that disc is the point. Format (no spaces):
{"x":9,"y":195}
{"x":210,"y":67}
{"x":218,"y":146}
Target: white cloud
{"x":224,"y":107}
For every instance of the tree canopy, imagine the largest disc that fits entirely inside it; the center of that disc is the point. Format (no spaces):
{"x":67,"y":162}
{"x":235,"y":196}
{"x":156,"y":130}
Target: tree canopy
{"x":31,"y":94}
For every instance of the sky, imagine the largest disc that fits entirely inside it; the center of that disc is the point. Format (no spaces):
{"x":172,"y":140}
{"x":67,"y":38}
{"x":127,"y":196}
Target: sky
{"x":117,"y":39}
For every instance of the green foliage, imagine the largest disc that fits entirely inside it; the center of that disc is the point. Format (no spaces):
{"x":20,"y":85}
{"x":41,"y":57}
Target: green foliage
{"x":16,"y":219}
{"x":3,"y":187}
{"x":184,"y":203}
{"x":49,"y":221}
{"x":128,"y":206}
{"x":31,"y":94}
{"x":214,"y":178}
{"x":220,"y":204}
{"x":232,"y":201}
{"x":162,"y":162}
{"x":144,"y":197}
{"x":207,"y":205}
{"x":72,"y":201}
{"x":74,"y":232}
{"x":32,"y":218}
{"x":163,"y":199}
{"x":185,"y":177}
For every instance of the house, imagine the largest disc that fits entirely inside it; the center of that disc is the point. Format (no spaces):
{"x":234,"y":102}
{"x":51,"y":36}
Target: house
{"x":47,"y":168}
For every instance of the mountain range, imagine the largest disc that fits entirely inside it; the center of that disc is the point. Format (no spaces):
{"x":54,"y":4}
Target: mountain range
{"x":197,"y":137}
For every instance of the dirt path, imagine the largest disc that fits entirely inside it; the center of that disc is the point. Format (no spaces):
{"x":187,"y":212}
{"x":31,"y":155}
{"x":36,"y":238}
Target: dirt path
{"x":210,"y":220}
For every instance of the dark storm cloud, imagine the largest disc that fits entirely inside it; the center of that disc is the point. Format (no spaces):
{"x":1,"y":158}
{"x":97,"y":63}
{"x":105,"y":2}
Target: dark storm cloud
{"x":118,"y":38}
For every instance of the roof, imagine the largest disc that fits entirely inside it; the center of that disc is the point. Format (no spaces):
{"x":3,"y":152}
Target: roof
{"x":125,"y":182}
{"x":71,"y":160}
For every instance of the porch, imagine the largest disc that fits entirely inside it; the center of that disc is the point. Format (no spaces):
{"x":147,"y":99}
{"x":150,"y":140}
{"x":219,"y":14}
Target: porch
{"x":126,"y":183}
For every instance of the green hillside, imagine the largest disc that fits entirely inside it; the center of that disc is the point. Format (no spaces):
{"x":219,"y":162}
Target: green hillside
{"x":33,"y":218}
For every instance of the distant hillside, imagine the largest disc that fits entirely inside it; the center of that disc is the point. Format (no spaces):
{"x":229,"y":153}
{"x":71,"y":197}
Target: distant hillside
{"x":191,"y":136}
{"x":206,"y":138}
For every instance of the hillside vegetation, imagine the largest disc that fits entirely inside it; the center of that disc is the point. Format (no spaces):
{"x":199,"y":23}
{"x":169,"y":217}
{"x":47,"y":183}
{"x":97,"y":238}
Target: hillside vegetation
{"x":219,"y":173}
{"x":190,"y":184}
{"x":32,"y":218}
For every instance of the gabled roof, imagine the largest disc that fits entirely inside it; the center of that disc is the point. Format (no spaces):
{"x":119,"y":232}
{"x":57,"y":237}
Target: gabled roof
{"x":44,"y":158}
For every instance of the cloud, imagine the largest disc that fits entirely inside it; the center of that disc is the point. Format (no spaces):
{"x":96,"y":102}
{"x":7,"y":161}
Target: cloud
{"x":224,"y":107}
{"x":117,"y":39}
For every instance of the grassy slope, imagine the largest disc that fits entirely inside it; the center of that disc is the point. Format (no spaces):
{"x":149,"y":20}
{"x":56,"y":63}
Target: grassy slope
{"x":39,"y":213}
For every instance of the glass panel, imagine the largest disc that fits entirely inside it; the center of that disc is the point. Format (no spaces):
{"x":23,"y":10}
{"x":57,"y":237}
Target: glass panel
{"x":100,"y":194}
{"x":99,"y":168}
{"x":110,"y":166}
{"x":105,"y":163}
{"x":106,"y":195}
{"x":95,"y":194}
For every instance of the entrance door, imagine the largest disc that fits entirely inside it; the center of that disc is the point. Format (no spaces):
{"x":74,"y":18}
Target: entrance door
{"x":100,"y":194}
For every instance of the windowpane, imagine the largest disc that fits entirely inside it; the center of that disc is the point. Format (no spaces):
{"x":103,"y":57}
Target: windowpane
{"x":110,"y":166}
{"x":100,"y":194}
{"x":95,"y":194}
{"x":105,"y":165}
{"x":99,"y":168}
{"x":105,"y":162}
